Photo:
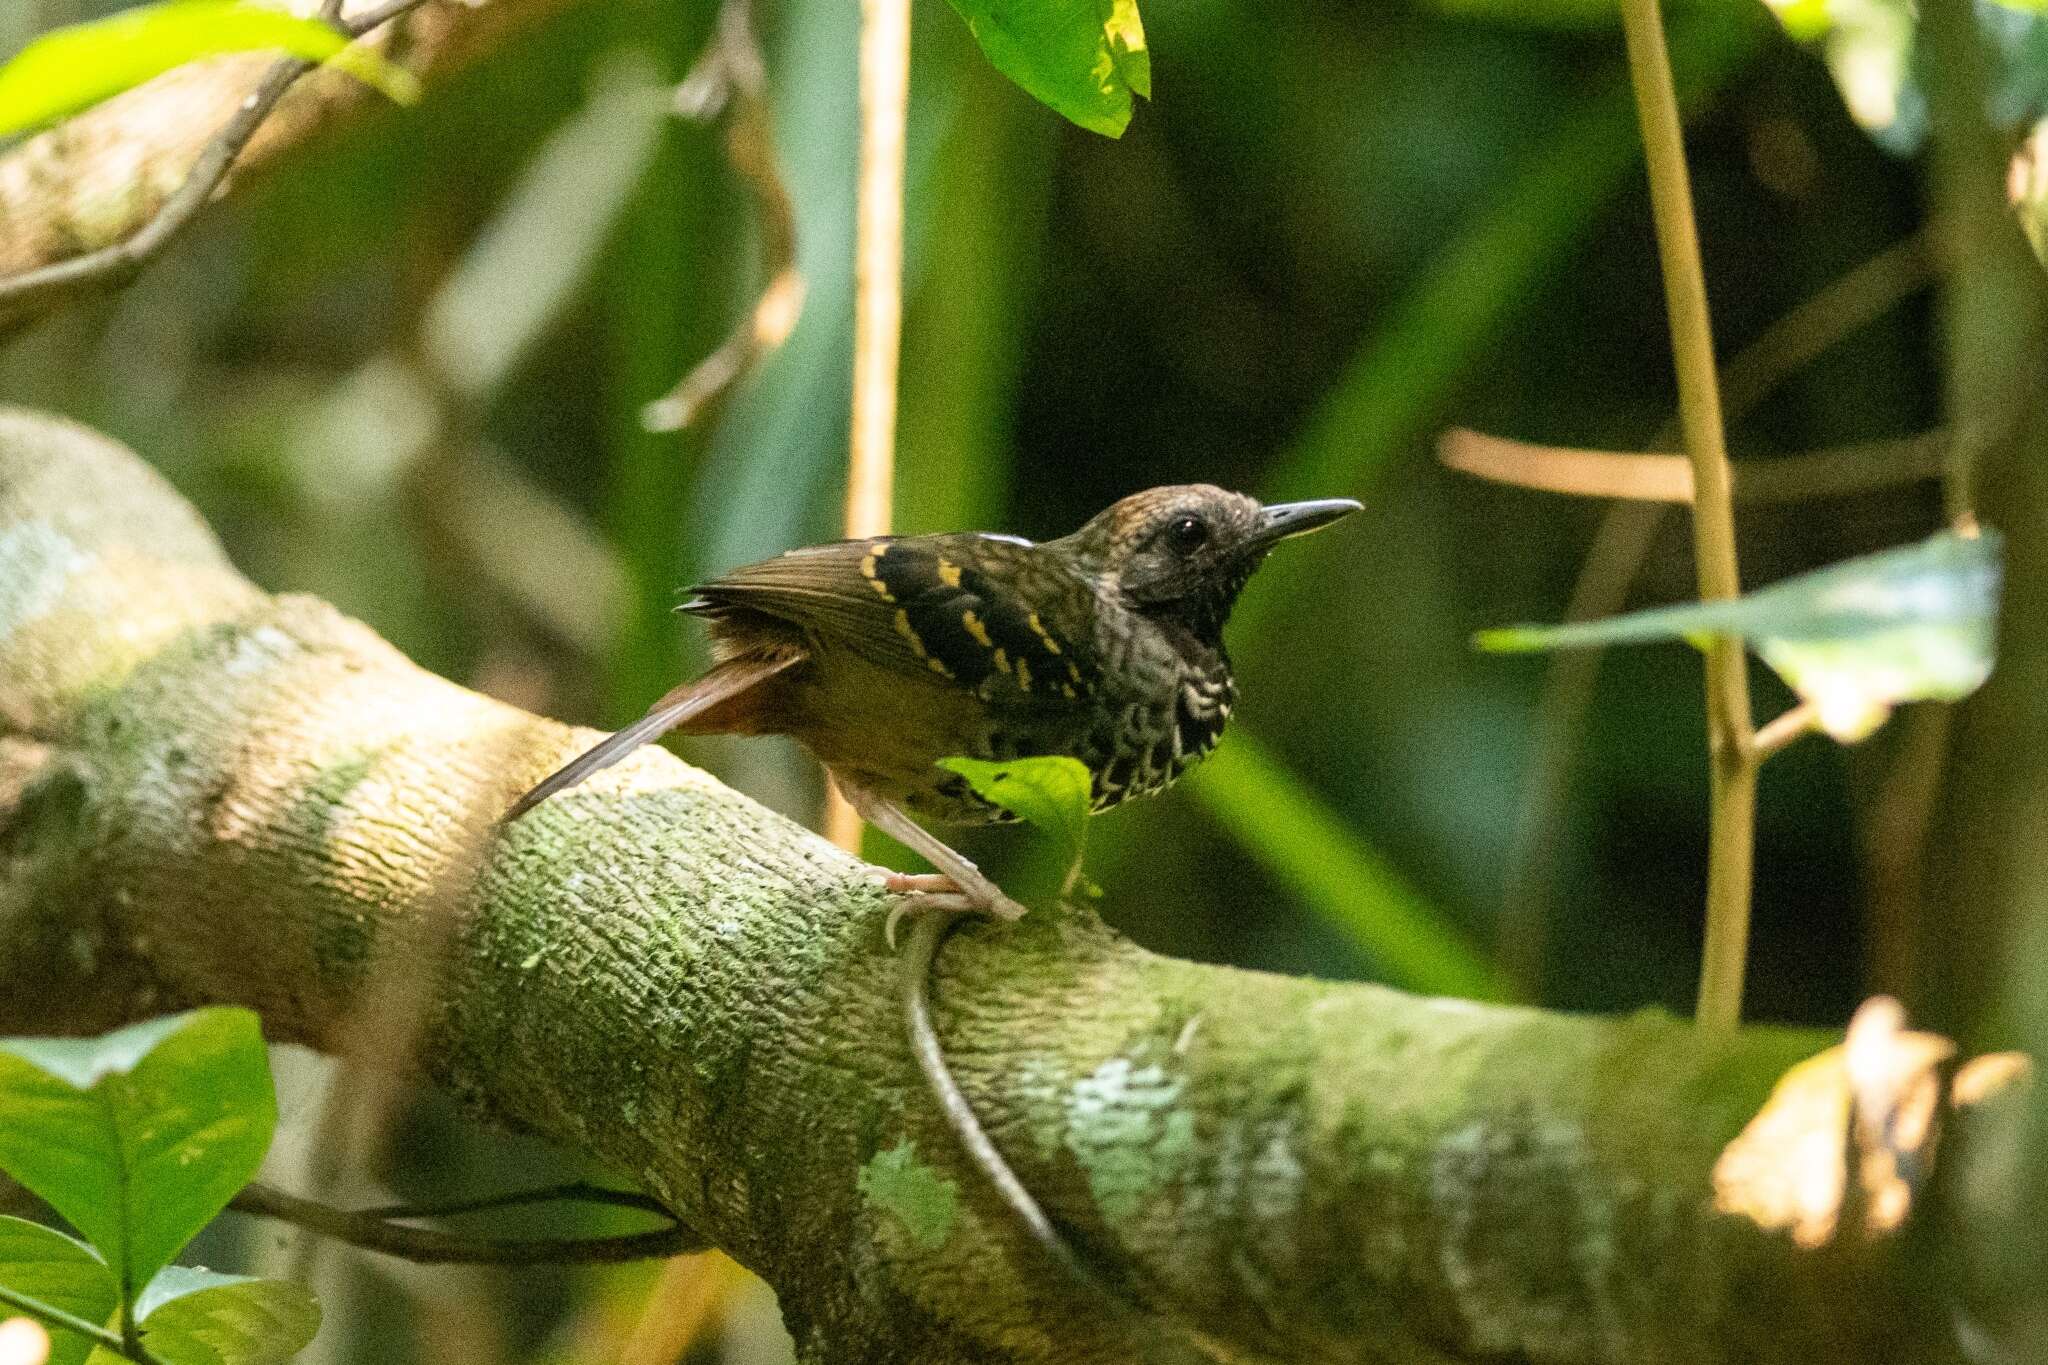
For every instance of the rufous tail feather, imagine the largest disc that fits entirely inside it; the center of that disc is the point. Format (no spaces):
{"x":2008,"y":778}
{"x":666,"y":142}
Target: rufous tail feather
{"x":724,"y":682}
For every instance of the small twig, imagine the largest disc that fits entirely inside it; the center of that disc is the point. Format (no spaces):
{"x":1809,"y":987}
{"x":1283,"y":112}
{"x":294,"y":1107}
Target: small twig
{"x":363,"y":23}
{"x":569,"y":1192}
{"x":1731,"y":849}
{"x":34,"y":292}
{"x":1769,"y":738}
{"x":52,"y":1316}
{"x":1643,"y":476}
{"x":926,"y":933}
{"x":920,"y":954}
{"x":373,"y":1230}
{"x":731,"y":76}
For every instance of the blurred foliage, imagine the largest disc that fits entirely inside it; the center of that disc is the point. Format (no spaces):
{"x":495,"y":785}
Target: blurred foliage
{"x":405,"y":371}
{"x":1855,"y":639}
{"x":138,"y":1139}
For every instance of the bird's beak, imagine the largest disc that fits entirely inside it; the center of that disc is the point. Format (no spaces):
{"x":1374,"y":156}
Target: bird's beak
{"x":1284,"y":519}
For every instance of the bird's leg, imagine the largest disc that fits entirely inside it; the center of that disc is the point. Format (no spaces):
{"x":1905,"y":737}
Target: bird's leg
{"x":958,"y":887}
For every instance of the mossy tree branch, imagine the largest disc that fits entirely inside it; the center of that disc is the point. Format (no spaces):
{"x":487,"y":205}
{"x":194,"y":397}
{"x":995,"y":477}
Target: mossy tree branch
{"x":211,"y":794}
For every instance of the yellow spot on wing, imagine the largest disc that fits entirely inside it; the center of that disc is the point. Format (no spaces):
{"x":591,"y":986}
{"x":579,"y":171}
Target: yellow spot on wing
{"x":867,"y":571}
{"x":909,"y":632}
{"x":1002,"y":661}
{"x":973,"y":624}
{"x":1023,"y":675}
{"x":949,"y":574}
{"x":1052,"y":646}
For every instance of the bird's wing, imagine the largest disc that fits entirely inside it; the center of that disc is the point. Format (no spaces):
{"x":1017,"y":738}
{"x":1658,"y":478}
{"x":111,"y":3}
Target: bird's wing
{"x":959,"y":606}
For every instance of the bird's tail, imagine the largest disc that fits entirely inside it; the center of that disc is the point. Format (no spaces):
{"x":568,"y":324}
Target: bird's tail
{"x":686,"y":703}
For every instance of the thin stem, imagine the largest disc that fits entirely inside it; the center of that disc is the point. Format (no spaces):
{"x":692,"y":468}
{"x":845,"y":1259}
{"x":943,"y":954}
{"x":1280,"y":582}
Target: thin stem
{"x":51,"y":1316}
{"x":1732,"y":838}
{"x":878,"y":297}
{"x":571,"y":1192}
{"x":926,"y":934}
{"x":920,"y":955}
{"x":370,"y":1231}
{"x":1769,"y":738}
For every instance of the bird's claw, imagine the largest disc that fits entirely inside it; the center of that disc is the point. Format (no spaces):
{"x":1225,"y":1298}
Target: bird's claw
{"x":923,"y":892}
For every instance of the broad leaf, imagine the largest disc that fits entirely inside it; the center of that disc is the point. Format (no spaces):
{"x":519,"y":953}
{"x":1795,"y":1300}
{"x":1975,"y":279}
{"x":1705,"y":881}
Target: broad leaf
{"x":1050,"y":792}
{"x":141,"y":1137}
{"x":1053,"y":793}
{"x":1084,"y":58}
{"x":197,"y":1317}
{"x":69,"y":68}
{"x":1855,"y":639}
{"x":62,"y":1272}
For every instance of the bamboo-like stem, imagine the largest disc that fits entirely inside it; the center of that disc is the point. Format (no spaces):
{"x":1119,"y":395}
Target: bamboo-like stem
{"x":1731,"y":756}
{"x":878,"y":297}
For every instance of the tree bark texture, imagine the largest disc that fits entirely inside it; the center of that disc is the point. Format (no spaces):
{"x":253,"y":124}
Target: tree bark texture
{"x":211,"y":794}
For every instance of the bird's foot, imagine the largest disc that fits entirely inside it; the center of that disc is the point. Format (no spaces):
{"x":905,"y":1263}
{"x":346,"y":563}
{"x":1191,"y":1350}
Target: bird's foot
{"x":938,"y":893}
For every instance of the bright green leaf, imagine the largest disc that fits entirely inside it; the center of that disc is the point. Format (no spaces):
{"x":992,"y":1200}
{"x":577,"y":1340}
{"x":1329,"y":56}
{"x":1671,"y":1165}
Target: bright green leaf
{"x":924,"y":1202}
{"x":1855,"y":639}
{"x":69,"y":68}
{"x":59,"y":1271}
{"x":197,"y":1317}
{"x":141,"y":1137}
{"x":1084,"y":58}
{"x":1053,"y":793}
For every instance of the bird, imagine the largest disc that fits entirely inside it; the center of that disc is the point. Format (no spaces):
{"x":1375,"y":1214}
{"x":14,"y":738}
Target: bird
{"x":882,"y":655}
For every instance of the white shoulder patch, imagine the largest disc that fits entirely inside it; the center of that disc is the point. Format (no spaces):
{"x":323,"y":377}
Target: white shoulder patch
{"x":1006,"y":539}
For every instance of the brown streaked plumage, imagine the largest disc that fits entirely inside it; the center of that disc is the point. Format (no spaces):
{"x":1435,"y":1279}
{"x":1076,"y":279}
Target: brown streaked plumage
{"x":883,"y":656}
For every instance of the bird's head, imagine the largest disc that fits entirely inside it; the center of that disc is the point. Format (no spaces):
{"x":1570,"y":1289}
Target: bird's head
{"x":1183,"y":552}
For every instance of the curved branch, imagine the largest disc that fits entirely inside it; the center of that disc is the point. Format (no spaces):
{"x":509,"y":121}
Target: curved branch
{"x":211,"y":794}
{"x":91,"y":202}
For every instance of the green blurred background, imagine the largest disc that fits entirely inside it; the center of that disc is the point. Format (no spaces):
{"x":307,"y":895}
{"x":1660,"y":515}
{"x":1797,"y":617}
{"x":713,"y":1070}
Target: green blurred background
{"x":404,"y":371}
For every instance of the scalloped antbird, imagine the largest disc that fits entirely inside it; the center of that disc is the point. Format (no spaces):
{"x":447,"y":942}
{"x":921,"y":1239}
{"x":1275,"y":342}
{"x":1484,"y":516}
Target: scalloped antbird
{"x":883,"y":656}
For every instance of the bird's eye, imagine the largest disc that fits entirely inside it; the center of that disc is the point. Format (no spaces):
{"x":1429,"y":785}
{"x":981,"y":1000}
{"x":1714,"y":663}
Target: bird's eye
{"x":1188,"y":534}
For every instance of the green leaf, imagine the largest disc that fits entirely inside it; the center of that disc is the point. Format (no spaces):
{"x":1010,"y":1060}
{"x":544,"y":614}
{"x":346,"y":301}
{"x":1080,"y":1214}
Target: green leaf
{"x":69,"y":68}
{"x":62,"y":1272}
{"x":1052,"y":793}
{"x":141,"y":1137}
{"x":1855,"y":639}
{"x":1083,"y":58}
{"x":924,"y":1202}
{"x":197,"y":1317}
